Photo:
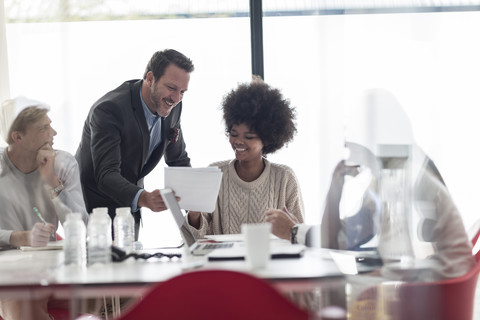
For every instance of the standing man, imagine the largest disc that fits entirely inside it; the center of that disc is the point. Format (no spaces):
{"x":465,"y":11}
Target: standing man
{"x":33,"y":175}
{"x":128,"y":130}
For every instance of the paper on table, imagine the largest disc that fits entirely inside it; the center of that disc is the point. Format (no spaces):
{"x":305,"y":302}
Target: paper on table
{"x":52,"y":245}
{"x":197,"y":187}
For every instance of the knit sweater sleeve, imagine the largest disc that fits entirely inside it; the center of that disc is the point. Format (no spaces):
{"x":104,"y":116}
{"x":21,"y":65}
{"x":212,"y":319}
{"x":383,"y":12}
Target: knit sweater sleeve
{"x":205,"y":226}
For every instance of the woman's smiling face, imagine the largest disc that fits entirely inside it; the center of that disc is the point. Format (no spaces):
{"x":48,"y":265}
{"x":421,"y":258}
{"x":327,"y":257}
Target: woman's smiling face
{"x":247,"y":144}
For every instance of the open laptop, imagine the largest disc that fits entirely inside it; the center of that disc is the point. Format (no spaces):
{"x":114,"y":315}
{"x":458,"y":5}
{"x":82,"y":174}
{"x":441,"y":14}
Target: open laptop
{"x":220,"y":250}
{"x":196,"y":247}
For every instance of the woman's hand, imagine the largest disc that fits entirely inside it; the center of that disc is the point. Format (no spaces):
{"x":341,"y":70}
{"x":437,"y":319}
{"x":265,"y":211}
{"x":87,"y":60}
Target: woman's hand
{"x":194,"y":219}
{"x":282,"y":222}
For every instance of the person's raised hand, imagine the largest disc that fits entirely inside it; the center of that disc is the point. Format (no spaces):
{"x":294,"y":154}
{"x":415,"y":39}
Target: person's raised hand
{"x":46,"y":166}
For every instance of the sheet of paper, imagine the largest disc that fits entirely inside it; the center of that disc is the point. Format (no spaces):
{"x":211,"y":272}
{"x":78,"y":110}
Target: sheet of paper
{"x":52,"y":245}
{"x":197,"y":187}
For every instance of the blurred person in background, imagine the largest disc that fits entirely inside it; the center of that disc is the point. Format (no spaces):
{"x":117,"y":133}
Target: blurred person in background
{"x":33,"y":175}
{"x":387,"y":198}
{"x":437,"y":232}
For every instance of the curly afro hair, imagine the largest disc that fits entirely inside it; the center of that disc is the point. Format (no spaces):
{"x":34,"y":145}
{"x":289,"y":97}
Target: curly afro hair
{"x":264,"y":110}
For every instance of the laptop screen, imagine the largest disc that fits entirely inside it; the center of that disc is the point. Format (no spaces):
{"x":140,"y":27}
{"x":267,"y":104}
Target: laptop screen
{"x":172,"y":204}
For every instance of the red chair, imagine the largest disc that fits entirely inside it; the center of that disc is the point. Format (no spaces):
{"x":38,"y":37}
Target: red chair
{"x":214,"y":294}
{"x":451,"y":299}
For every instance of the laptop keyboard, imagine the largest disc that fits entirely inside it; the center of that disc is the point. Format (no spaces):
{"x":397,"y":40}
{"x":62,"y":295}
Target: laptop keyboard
{"x":211,"y":246}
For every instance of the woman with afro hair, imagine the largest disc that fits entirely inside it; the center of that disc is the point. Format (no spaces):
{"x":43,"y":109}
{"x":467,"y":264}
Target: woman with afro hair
{"x":259,"y":121}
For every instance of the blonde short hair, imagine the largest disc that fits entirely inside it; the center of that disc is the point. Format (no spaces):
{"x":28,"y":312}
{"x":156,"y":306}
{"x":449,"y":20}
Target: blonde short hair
{"x":13,"y":118}
{"x":27,"y":116}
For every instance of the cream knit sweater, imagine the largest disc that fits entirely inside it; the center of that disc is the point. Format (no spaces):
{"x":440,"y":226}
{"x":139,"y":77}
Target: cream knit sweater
{"x":245,"y":202}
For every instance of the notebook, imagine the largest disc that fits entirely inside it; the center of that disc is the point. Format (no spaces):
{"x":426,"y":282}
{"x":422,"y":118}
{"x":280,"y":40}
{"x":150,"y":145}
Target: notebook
{"x":196,"y":247}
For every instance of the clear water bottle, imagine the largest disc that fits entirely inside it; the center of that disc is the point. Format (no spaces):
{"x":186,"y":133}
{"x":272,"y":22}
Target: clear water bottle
{"x":104,"y":212}
{"x":75,"y":247}
{"x":124,"y":230}
{"x":99,"y":237}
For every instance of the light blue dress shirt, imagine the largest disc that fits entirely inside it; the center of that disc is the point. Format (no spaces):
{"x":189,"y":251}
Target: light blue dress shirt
{"x":155,"y":129}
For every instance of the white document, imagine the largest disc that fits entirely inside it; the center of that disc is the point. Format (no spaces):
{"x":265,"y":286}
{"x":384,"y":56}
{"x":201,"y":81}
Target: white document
{"x":51,"y":245}
{"x":197,"y":187}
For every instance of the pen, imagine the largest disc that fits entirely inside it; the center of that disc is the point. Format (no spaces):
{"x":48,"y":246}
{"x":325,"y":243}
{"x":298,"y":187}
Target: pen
{"x":43,"y":220}
{"x":39,"y":215}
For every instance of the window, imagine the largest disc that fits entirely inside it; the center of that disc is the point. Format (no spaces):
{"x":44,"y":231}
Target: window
{"x":322,"y":54}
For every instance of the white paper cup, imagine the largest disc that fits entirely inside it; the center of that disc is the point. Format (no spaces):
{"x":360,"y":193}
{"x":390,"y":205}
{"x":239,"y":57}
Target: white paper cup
{"x":257,"y":244}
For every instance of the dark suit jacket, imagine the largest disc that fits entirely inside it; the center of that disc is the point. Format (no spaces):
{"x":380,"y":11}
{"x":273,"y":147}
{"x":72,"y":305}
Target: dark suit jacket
{"x":114,"y":148}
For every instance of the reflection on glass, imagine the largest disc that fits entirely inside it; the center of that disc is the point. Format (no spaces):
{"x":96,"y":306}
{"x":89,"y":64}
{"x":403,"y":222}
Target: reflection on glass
{"x":420,"y":235}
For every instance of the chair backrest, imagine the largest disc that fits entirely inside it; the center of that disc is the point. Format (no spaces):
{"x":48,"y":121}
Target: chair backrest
{"x":446,"y":299}
{"x":450,"y":299}
{"x":214,"y":294}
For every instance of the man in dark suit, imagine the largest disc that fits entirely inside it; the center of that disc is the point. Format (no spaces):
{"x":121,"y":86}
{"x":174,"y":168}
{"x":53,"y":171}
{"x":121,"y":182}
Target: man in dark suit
{"x":128,"y":130}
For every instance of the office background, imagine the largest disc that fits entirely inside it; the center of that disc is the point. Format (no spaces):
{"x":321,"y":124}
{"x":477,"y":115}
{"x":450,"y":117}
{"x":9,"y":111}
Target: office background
{"x":323,"y":55}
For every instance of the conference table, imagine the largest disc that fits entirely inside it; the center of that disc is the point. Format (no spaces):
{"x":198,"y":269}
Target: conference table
{"x":32,"y":274}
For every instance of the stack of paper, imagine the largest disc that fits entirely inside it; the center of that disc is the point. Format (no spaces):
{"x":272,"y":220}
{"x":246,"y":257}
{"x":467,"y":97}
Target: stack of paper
{"x":197,"y":187}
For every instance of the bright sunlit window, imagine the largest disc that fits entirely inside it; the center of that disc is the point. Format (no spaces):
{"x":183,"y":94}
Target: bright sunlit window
{"x":321,"y":62}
